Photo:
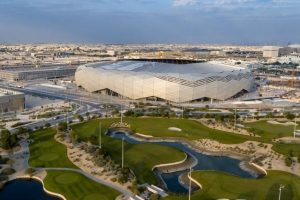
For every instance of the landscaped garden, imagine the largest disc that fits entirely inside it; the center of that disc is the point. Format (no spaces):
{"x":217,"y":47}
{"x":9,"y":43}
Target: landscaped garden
{"x":218,"y":185}
{"x":46,"y":152}
{"x":269,"y":131}
{"x":192,"y":129}
{"x":141,"y":158}
{"x":158,"y":127}
{"x":75,"y":186}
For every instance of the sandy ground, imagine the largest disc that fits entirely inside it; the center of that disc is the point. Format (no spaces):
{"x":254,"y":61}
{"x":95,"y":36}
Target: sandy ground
{"x":281,"y":123}
{"x":289,"y":140}
{"x":84,"y":161}
{"x":222,"y":127}
{"x":270,"y":159}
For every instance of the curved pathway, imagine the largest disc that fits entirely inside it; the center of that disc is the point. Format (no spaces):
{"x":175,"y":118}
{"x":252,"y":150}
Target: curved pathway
{"x":127,"y":193}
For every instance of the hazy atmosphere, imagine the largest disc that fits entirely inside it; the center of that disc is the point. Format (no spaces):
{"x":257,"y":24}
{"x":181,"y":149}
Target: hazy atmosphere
{"x":150,"y":21}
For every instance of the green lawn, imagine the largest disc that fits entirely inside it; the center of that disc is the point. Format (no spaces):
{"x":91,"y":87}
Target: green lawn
{"x":286,"y":148}
{"x":142,"y":157}
{"x":158,"y":127}
{"x":75,"y":186}
{"x":269,"y":131}
{"x":139,"y":157}
{"x":191,"y":129}
{"x":220,"y":185}
{"x":46,"y":152}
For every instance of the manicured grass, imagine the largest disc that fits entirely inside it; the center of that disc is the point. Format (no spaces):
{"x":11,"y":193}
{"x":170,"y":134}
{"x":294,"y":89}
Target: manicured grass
{"x":269,"y":131}
{"x":158,"y":127}
{"x":191,"y":129}
{"x":220,"y":185}
{"x":75,"y":186}
{"x":285,"y":149}
{"x":46,"y":152}
{"x":141,"y":158}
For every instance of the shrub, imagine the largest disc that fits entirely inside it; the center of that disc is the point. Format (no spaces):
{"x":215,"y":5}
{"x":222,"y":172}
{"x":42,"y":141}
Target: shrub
{"x":288,"y":161}
{"x":47,"y":125}
{"x":30,"y":170}
{"x":8,"y":171}
{"x":3,"y":178}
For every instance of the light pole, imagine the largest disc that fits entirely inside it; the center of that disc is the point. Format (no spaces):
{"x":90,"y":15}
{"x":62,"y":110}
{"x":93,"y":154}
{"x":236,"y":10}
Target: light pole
{"x":190,"y":183}
{"x":100,"y":137}
{"x":280,"y":188}
{"x":295,"y":126}
{"x":67,"y":120}
{"x":122,"y":110}
{"x":122,"y":152}
{"x":234,"y":118}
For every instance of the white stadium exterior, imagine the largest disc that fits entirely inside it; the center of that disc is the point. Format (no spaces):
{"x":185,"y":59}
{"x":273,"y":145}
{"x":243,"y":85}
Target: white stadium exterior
{"x":179,"y":82}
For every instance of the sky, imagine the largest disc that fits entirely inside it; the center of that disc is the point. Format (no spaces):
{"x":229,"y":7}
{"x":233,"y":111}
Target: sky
{"x":150,"y":21}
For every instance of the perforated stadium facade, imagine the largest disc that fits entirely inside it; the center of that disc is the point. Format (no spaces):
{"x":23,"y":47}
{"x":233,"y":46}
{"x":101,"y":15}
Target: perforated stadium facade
{"x":184,"y":82}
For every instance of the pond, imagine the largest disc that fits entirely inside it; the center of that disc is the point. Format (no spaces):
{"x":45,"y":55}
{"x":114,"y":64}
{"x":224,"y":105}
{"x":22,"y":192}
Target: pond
{"x":25,"y":189}
{"x":204,"y":162}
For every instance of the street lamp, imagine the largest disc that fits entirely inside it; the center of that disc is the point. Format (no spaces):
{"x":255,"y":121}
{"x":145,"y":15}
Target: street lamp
{"x":280,"y":188}
{"x":100,"y":136}
{"x":122,"y":152}
{"x":190,"y":183}
{"x":295,"y":127}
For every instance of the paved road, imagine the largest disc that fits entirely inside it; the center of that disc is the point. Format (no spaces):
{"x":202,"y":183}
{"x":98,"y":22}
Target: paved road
{"x":75,"y":97}
{"x":60,"y":118}
{"x":122,"y":190}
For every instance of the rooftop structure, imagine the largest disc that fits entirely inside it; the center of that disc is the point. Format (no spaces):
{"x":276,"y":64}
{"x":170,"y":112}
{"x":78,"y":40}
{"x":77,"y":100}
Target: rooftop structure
{"x":176,"y":81}
{"x":11,"y":100}
{"x":270,"y":51}
{"x":29,"y":73}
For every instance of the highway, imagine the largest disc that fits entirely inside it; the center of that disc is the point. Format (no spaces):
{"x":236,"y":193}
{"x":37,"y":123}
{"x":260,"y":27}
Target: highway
{"x":50,"y":94}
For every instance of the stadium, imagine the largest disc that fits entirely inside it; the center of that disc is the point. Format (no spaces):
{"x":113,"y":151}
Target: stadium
{"x":167,"y":80}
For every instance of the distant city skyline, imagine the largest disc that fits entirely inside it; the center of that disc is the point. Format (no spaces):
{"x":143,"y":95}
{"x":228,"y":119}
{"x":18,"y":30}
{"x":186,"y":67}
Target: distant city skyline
{"x":150,"y":21}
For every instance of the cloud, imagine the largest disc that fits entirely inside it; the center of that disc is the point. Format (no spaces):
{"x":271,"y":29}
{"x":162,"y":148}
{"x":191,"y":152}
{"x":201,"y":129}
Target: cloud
{"x":184,"y":2}
{"x":235,"y":4}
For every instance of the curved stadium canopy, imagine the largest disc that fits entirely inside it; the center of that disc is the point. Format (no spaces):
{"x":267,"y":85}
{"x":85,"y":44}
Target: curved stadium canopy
{"x":183,"y":82}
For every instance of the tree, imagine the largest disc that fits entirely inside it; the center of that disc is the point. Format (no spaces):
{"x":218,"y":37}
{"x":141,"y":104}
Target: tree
{"x":4,"y":139}
{"x":219,"y":118}
{"x":7,"y":140}
{"x":290,"y":116}
{"x":13,"y":140}
{"x":22,"y":130}
{"x":129,"y":113}
{"x":270,"y":115}
{"x":115,"y":112}
{"x":62,"y":126}
{"x":79,"y":117}
{"x":47,"y":125}
{"x":87,"y":115}
{"x":288,"y":161}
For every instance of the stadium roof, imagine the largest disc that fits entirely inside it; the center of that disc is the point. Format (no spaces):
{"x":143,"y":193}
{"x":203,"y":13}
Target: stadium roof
{"x":191,"y":71}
